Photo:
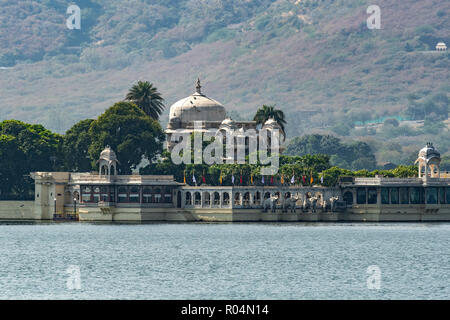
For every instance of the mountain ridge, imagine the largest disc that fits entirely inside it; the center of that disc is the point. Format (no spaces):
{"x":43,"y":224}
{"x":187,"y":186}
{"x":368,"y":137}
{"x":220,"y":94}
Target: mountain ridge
{"x":315,"y":60}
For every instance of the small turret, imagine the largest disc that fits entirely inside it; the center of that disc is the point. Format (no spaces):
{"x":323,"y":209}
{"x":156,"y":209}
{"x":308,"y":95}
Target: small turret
{"x":108,"y":162}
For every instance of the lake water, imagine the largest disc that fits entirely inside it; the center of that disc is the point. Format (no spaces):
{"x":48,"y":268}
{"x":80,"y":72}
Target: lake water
{"x":223,"y":261}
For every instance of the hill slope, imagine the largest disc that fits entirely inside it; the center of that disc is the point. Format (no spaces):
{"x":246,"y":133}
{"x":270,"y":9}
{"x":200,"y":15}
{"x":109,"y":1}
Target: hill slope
{"x":314,"y":59}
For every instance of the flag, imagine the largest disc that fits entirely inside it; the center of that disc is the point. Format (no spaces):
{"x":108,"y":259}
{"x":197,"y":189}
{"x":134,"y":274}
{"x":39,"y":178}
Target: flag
{"x":271,"y":179}
{"x":232,"y":179}
{"x":203,"y":177}
{"x":312,"y":179}
{"x":251,"y":179}
{"x":304,"y":179}
{"x":220,"y":179}
{"x":193,"y":178}
{"x":293,"y":179}
{"x":262,"y":180}
{"x":282,"y":179}
{"x":321,"y":179}
{"x":184,"y":178}
{"x":240,"y":180}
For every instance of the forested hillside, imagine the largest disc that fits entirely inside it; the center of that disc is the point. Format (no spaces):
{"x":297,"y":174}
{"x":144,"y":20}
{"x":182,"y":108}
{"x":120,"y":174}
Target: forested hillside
{"x":314,"y":59}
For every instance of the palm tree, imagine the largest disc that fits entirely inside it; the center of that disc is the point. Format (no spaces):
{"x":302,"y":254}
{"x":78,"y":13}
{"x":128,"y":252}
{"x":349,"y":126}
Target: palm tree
{"x":146,"y":97}
{"x":263,"y":114}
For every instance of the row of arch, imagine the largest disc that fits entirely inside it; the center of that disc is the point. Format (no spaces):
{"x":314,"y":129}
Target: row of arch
{"x":240,"y":199}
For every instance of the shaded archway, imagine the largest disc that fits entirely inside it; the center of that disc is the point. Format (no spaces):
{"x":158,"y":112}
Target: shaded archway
{"x":257,"y":198}
{"x":188,"y":200}
{"x":246,"y":199}
{"x":197,"y":199}
{"x":348,"y":198}
{"x":207,"y":198}
{"x":237,"y":199}
{"x":226,"y":199}
{"x":179,"y":199}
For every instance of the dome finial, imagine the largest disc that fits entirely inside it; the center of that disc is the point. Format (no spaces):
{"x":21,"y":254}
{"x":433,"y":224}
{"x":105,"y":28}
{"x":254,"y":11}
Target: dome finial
{"x":198,"y":87}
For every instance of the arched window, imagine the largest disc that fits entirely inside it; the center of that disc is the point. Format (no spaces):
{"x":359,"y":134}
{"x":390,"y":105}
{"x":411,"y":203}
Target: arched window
{"x":157,"y":195}
{"x":188,"y":201}
{"x":179,"y":199}
{"x":147,"y":196}
{"x":267,"y":195}
{"x":216,"y":199}
{"x":372,"y":195}
{"x":95,"y":194}
{"x":197,"y":199}
{"x":246,"y":199}
{"x":134,"y":194}
{"x":226,"y":198}
{"x":237,"y":199}
{"x":348,"y":197}
{"x":104,"y":193}
{"x":257,"y":198}
{"x":361,"y":195}
{"x":207,"y":198}
{"x":167,"y":195}
{"x":122,"y":194}
{"x":287,"y":195}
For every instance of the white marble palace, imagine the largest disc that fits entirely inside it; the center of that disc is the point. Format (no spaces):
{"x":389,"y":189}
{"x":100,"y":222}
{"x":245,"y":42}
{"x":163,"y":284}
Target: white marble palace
{"x":109,"y":196}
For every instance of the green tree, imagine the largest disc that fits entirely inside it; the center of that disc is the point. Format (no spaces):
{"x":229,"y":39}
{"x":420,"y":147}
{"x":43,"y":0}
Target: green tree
{"x":164,"y":166}
{"x":406,"y":172}
{"x":13,"y":168}
{"x":42,"y":148}
{"x":331,"y":175}
{"x":130,"y":132}
{"x":265,"y":112}
{"x":146,"y":97}
{"x":76,"y":147}
{"x":313,"y":144}
{"x":26,"y":148}
{"x":355,"y":155}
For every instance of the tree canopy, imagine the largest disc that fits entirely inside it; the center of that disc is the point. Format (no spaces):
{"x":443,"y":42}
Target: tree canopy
{"x":355,"y":155}
{"x":25,"y":148}
{"x":129,"y":132}
{"x":76,"y":146}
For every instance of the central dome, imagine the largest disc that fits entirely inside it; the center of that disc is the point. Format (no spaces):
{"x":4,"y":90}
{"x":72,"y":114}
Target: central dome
{"x":196,"y":107}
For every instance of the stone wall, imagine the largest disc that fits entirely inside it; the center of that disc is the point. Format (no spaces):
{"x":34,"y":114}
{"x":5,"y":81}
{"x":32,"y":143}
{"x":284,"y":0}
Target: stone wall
{"x":18,"y":210}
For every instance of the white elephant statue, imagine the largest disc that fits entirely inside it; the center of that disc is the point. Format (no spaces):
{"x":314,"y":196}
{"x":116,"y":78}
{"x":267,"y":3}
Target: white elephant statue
{"x":290,"y":203}
{"x":333,"y":203}
{"x":313,"y":201}
{"x":270,"y":203}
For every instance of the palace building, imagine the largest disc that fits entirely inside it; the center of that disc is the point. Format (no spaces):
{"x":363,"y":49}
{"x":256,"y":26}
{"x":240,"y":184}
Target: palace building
{"x":108,"y":196}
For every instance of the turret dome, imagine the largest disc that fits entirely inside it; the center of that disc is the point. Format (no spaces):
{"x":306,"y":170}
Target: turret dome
{"x":108,"y":154}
